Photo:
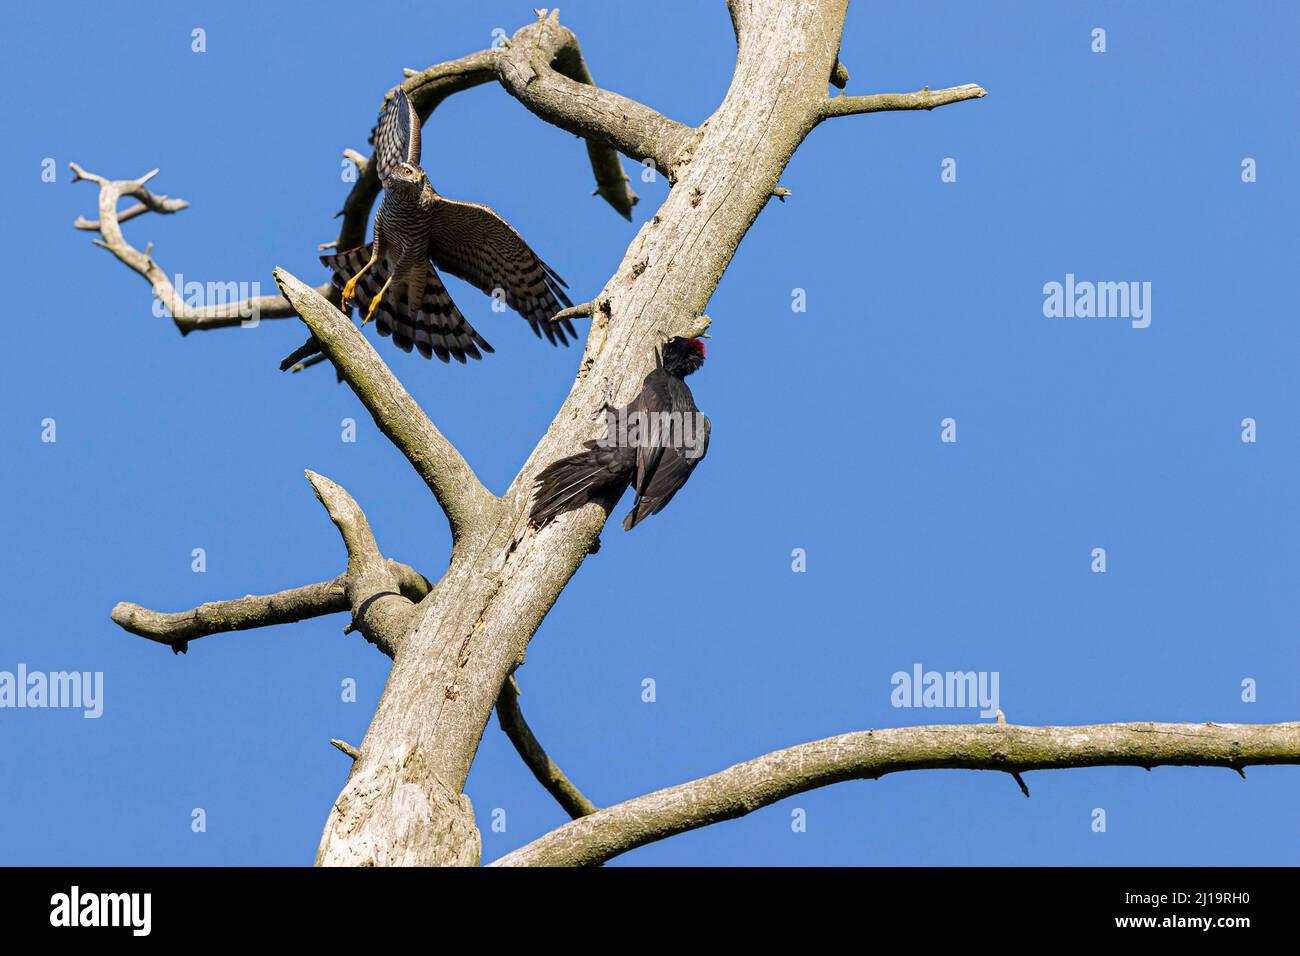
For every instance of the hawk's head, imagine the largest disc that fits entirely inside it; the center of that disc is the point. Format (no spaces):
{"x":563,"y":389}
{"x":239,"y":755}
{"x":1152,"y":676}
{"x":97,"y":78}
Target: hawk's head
{"x":407,"y":174}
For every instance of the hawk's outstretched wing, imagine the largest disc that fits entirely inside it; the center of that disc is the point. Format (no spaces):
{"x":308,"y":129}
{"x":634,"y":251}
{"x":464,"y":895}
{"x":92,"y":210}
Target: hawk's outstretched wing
{"x":396,"y":137}
{"x":473,"y":243}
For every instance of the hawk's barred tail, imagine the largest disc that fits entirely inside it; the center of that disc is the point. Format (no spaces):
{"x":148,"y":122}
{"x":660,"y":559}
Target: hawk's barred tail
{"x":420,"y":317}
{"x":344,"y":265}
{"x":433,"y":325}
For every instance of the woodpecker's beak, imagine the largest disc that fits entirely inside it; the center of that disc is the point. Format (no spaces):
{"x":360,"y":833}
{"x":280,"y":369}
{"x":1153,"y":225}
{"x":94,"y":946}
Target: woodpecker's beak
{"x":704,"y":335}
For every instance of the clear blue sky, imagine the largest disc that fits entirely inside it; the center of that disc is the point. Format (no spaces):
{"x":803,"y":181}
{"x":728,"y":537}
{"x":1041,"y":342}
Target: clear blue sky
{"x":924,"y":301}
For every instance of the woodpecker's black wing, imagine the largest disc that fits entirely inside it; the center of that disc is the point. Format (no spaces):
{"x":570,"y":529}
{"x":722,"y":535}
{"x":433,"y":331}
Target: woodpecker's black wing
{"x":664,"y":465}
{"x":671,"y":471}
{"x":666,"y":437}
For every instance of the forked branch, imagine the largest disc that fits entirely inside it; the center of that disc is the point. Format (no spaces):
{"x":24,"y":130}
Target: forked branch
{"x":381,"y":594}
{"x":467,"y":503}
{"x":379,"y":609}
{"x":177,"y":629}
{"x":187,"y":318}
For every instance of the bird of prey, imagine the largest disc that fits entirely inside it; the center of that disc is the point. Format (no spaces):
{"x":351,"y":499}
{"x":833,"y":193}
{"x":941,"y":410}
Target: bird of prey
{"x":417,"y":231}
{"x":652,"y":444}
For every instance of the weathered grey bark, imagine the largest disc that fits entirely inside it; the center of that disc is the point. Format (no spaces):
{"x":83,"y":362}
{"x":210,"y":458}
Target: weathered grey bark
{"x":455,"y":645}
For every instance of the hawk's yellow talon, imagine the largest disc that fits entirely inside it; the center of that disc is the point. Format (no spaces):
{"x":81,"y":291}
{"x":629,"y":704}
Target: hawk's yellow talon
{"x":375,"y":303}
{"x":349,"y":290}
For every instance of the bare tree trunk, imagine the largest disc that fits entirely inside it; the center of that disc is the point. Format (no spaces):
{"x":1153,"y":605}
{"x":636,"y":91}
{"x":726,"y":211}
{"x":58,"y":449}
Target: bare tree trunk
{"x":448,"y":674}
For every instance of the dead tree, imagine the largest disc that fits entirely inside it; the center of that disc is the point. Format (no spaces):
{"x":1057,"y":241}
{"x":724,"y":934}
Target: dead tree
{"x":455,"y":643}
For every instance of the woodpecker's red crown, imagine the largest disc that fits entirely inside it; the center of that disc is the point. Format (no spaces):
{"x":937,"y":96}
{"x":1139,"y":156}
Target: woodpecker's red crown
{"x":681,"y":356}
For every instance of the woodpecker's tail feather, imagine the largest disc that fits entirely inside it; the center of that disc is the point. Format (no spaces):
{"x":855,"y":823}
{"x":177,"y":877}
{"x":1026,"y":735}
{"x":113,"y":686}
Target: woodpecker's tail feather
{"x":570,"y":483}
{"x":640,"y":511}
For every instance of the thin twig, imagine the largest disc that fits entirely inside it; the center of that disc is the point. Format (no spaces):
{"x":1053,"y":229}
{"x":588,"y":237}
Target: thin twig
{"x":925,"y":99}
{"x":534,"y":755}
{"x":347,"y":748}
